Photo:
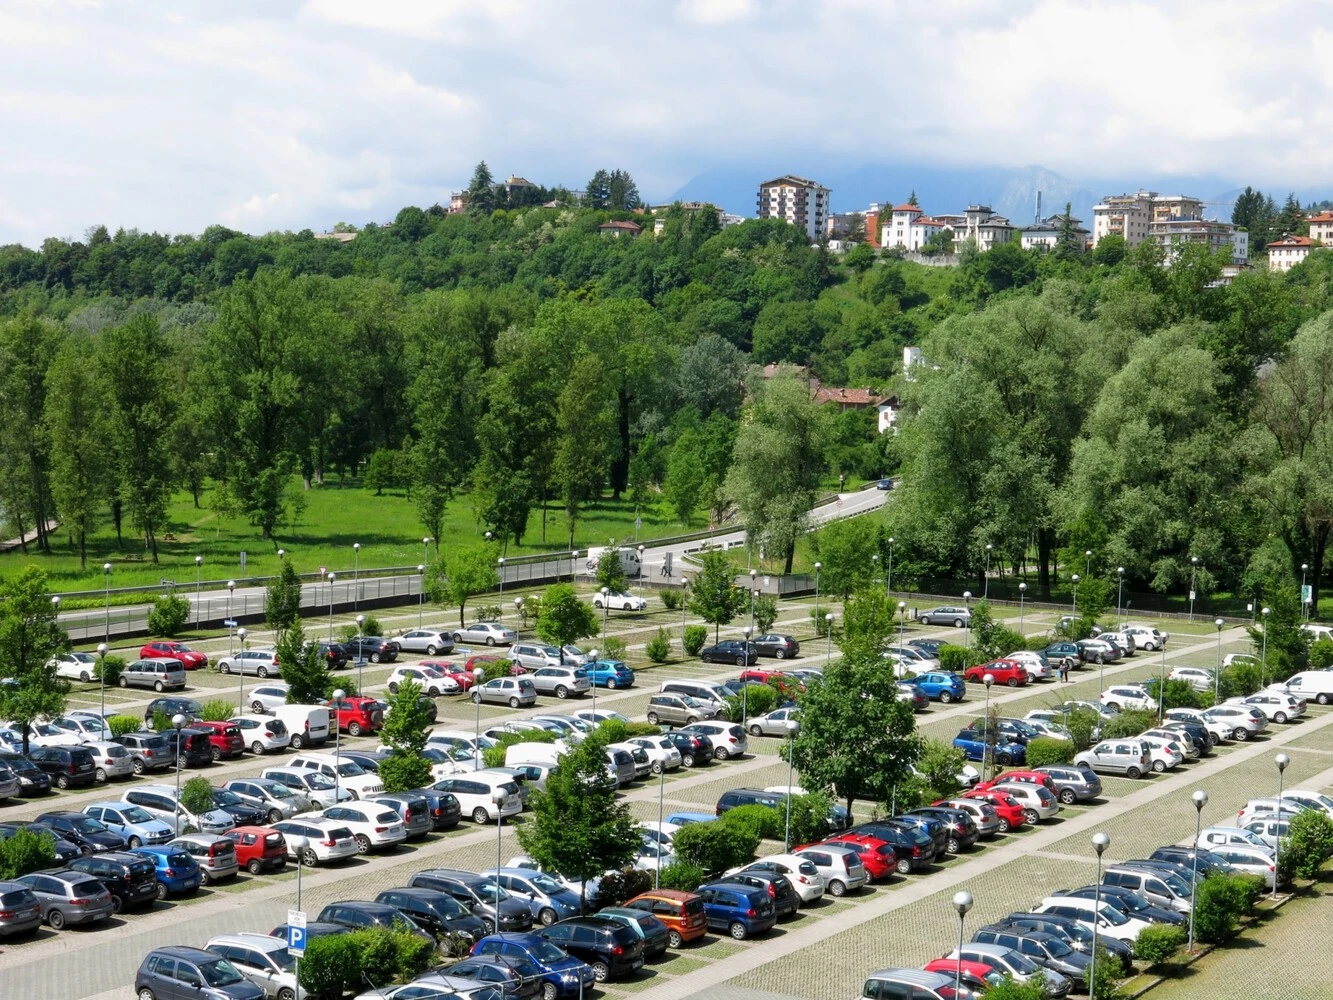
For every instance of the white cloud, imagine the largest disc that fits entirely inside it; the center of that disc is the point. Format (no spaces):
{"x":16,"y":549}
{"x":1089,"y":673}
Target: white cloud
{"x":717,"y":11}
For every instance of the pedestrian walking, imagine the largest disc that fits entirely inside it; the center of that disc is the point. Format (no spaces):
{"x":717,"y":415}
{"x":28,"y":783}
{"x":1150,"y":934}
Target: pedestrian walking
{"x":1064,"y":671}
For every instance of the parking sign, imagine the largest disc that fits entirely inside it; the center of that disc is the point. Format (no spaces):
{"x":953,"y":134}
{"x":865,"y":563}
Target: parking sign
{"x":296,"y":932}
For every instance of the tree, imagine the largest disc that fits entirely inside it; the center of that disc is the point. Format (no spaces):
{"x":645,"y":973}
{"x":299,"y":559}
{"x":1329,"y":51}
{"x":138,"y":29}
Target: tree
{"x":685,"y":476}
{"x":868,"y":623}
{"x":30,"y":636}
{"x":578,"y":828}
{"x":466,"y":573}
{"x":168,"y":616}
{"x":26,"y":850}
{"x":77,"y":422}
{"x":563,"y":618}
{"x":860,"y":258}
{"x":27,"y":346}
{"x":282,"y":600}
{"x":304,"y":671}
{"x":481,"y":190}
{"x":856,"y":737}
{"x":845,"y":547}
{"x":714,"y":596}
{"x":406,"y":727}
{"x":1068,"y":243}
{"x":586,"y":437}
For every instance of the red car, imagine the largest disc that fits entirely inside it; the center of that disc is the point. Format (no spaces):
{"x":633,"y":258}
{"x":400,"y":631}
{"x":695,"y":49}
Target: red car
{"x":259,"y":848}
{"x":1032,"y":777}
{"x":357,"y":714}
{"x":452,"y":670}
{"x":224,"y":738}
{"x":877,"y":856}
{"x":1007,"y":672}
{"x":976,"y":976}
{"x":763,"y":675}
{"x":191,"y":659}
{"x":1007,"y":808}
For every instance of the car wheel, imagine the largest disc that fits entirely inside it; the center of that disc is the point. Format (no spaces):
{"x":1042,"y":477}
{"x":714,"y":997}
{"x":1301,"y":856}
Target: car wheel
{"x":740,"y":661}
{"x":547,"y":917}
{"x":737,"y":930}
{"x":560,"y":691}
{"x":224,"y":667}
{"x":946,"y":697}
{"x":160,"y":890}
{"x":430,"y":650}
{"x":1031,"y":816}
{"x":476,"y":697}
{"x":215,"y":753}
{"x":147,"y":994}
{"x":674,"y":940}
{"x":182,"y":762}
{"x":1280,"y":717}
{"x":611,"y":683}
{"x":480,"y":816}
{"x":1321,"y":699}
{"x":124,"y":683}
{"x":653,"y":718}
{"x":513,"y":703}
{"x":374,"y":657}
{"x":1133,"y":772}
{"x":657,"y":767}
{"x":458,"y":637}
{"x":721,"y":753}
{"x":600,"y":971}
{"x":297,"y":742}
{"x":1113,"y":706}
{"x":354,"y":728}
{"x":1159,"y":766}
{"x":549,"y":992}
{"x":101,"y":775}
{"x":1003,"y":759}
{"x":362,"y":843}
{"x":62,"y":781}
{"x":159,"y":687}
{"x":136,"y":842}
{"x":205,"y":878}
{"x":687,"y":760}
{"x":1150,"y":646}
{"x":1004,"y":825}
{"x":756,"y":731}
{"x":903,"y":866}
{"x":262,"y":673}
{"x":837,"y":888}
{"x":1067,"y":796}
{"x":780,"y":653}
{"x":309,"y":858}
{"x":286,"y":994}
{"x":490,"y":640}
{"x":953,"y":847}
{"x":1240,"y":733}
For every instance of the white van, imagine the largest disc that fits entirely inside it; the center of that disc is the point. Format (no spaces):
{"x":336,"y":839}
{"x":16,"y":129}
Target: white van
{"x":1312,"y":685}
{"x":308,"y":724}
{"x":532,"y":753}
{"x":703,"y":690}
{"x":476,"y":793}
{"x":629,"y":560}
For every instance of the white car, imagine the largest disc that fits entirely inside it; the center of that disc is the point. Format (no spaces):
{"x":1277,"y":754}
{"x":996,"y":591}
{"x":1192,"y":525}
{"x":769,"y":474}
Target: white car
{"x":801,"y":872}
{"x":476,"y":795}
{"x":1240,"y":659}
{"x":1165,"y":754}
{"x":1286,"y":809}
{"x":373,"y":824}
{"x":44,"y":734}
{"x":1037,"y":666}
{"x":1146,"y":637}
{"x":1085,"y":706}
{"x":262,"y":733}
{"x":74,"y":666}
{"x":1177,"y":736}
{"x":457,"y":738}
{"x":426,"y":640}
{"x":1245,"y":720}
{"x":316,"y":787}
{"x":315,"y":840}
{"x":267,"y":697}
{"x":660,"y":832}
{"x":651,"y":856}
{"x":1112,"y":922}
{"x":1123,"y":696}
{"x":431,"y":681}
{"x":662,"y":754}
{"x":1311,"y":800}
{"x":1217,"y":728}
{"x":1052,"y":729}
{"x":1275,"y":705}
{"x":347,"y":773}
{"x":619,"y":600}
{"x":88,"y":728}
{"x":1121,"y":641}
{"x":111,"y":760}
{"x":1213,"y":837}
{"x":262,"y":663}
{"x":595,"y":717}
{"x":487,"y":632}
{"x":1038,"y":801}
{"x":1198,"y":678}
{"x":1250,"y":859}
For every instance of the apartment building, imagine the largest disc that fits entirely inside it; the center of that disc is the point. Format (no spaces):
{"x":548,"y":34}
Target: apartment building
{"x":1045,"y":235}
{"x":1321,"y":227}
{"x":1172,"y":232}
{"x":983,"y":227}
{"x":1123,"y":215}
{"x":803,"y":203}
{"x":1286,"y":253}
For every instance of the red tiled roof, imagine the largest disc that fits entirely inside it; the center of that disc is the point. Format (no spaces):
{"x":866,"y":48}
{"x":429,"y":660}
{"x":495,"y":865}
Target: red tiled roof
{"x":1321,"y":217}
{"x":1293,"y":241}
{"x":926,"y":220}
{"x":847,"y":397}
{"x":619,"y":224}
{"x":907,"y":208}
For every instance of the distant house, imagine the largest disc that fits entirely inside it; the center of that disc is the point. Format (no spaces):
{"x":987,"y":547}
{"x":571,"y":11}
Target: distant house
{"x":620,"y":228}
{"x":1321,"y":227}
{"x":1046,"y":234}
{"x":340,"y":237}
{"x":1286,"y":253}
{"x":457,"y":202}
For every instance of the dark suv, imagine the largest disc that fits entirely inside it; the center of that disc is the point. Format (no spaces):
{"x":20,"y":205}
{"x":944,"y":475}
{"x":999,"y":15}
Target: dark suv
{"x":915,"y":848}
{"x":358,"y":914}
{"x":695,"y":749}
{"x":436,"y":911}
{"x":333,"y":653}
{"x":187,"y":707}
{"x":960,"y":828}
{"x":611,"y":948}
{"x":192,"y":746}
{"x":130,"y":878}
{"x":68,"y":767}
{"x":736,"y":651}
{"x":374,"y":648}
{"x":89,"y":834}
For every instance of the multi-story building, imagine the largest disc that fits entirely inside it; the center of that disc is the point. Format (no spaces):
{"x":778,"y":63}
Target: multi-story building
{"x":1123,"y":215}
{"x":1175,"y":206}
{"x":1286,"y":253}
{"x":983,"y":228}
{"x":1045,"y":235}
{"x":1173,"y":232}
{"x":801,"y":202}
{"x":909,"y":228}
{"x":1321,"y":227}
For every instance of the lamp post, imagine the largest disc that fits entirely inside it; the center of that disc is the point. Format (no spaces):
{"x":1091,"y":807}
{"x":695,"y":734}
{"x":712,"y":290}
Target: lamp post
{"x":985,"y":581}
{"x":1100,"y":842}
{"x":333,"y":577}
{"x":967,"y":620}
{"x":518,"y":613}
{"x":1282,"y":760}
{"x":828,"y":627}
{"x":606,"y":609}
{"x":478,"y":675}
{"x":498,"y":797}
{"x":338,"y":696}
{"x":106,"y":574}
{"x":684,"y":606}
{"x":360,"y":651}
{"x":962,"y":902}
{"x":792,"y":727}
{"x":101,"y":670}
{"x":818,"y":567}
{"x":425,"y":549}
{"x":1305,"y":605}
{"x":753,"y":591}
{"x":745,"y":684}
{"x":178,"y":723}
{"x":1119,"y":593}
{"x":356,"y":574}
{"x":661,"y":800}
{"x":987,"y":680}
{"x":241,"y":633}
{"x":421,"y":592}
{"x":1217,"y":670}
{"x":231,"y":589}
{"x":573,"y":567}
{"x":888,"y":580}
{"x":1263,"y":660}
{"x":592,"y":662}
{"x":1194,"y":569}
{"x":874,"y":566}
{"x":1087,"y":562}
{"x":1022,"y":593}
{"x":501,"y":563}
{"x":198,"y":566}
{"x":1200,"y":799}
{"x":1073,"y":600}
{"x":640,"y":570}
{"x":902,"y":620}
{"x":55,"y":605}
{"x":1161,"y":690}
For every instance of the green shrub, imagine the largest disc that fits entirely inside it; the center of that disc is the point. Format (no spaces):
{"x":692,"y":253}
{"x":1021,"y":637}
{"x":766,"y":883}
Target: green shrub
{"x":613,"y":731}
{"x":760,"y":822}
{"x":495,"y":756}
{"x":122,"y":724}
{"x":1012,"y":989}
{"x":216,"y":710}
{"x":487,"y":613}
{"x":1045,"y":750}
{"x":1321,"y":654}
{"x":658,"y":648}
{"x":491,"y":669}
{"x":335,"y":964}
{"x":197,"y":795}
{"x":715,"y":846}
{"x":168,"y":616}
{"x":330,"y":961}
{"x":758,"y":699}
{"x":672,"y":599}
{"x":809,"y":817}
{"x":372,"y":626}
{"x":161,"y":721}
{"x":1238,"y":679}
{"x":765,"y":612}
{"x":1217,"y":908}
{"x":695,"y":637}
{"x":940,"y":764}
{"x":1157,"y":943}
{"x":684,"y":876}
{"x":953,"y":658}
{"x":633,"y":729}
{"x":1081,"y":724}
{"x":1308,"y":844}
{"x":616,"y":887}
{"x":820,"y":622}
{"x":1179,"y":694}
{"x":26,"y":851}
{"x":110,"y":667}
{"x":1128,"y":723}
{"x":613,"y":648}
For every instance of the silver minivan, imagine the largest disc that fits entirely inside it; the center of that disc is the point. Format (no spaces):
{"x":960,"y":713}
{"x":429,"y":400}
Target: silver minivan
{"x":841,"y":867}
{"x":156,"y":675}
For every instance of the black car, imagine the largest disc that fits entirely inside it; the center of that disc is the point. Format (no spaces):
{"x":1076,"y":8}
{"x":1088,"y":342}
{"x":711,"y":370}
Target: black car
{"x":743,"y":654}
{"x":1203,"y":737}
{"x":779,"y":647}
{"x":444,"y":809}
{"x":930,"y":647}
{"x":1199,"y":859}
{"x":357,"y":914}
{"x":190,"y":746}
{"x":1047,"y":950}
{"x":130,"y":878}
{"x":915,"y":848}
{"x":334,"y":654}
{"x":374,"y":648}
{"x":960,"y":826}
{"x":32,"y":779}
{"x":1128,"y":902}
{"x":929,"y":825}
{"x":66,"y":851}
{"x":1012,"y":730}
{"x":778,"y":886}
{"x":695,"y":749}
{"x":171,"y":707}
{"x":68,"y":767}
{"x":514,"y":977}
{"x":238,"y":809}
{"x":89,"y":834}
{"x":437,"y":912}
{"x":611,"y":948}
{"x":1077,"y":935}
{"x":313,"y":929}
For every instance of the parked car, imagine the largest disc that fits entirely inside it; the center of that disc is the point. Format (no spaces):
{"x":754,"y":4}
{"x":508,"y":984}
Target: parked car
{"x":1198,"y":678}
{"x":515,"y":692}
{"x":1096,"y":651}
{"x":31,"y":778}
{"x":1008,"y":810}
{"x":1129,"y":757}
{"x":214,"y":854}
{"x":85,"y":728}
{"x":160,"y":802}
{"x":619,"y":600}
{"x":728,"y":738}
{"x":1244,"y":720}
{"x":741,"y":910}
{"x":68,"y":767}
{"x":651,"y":931}
{"x":679,"y":710}
{"x":1013,"y":730}
{"x":736,"y":651}
{"x":917,"y":984}
{"x":1066,"y":653}
{"x":175,"y":872}
{"x":681,"y":912}
{"x":490,"y":633}
{"x":475,"y":793}
{"x":1010,"y":673}
{"x":946,"y":615}
{"x":168,"y":649}
{"x":838,"y":864}
{"x":1146,"y":637}
{"x":1010,"y":962}
{"x":157,"y":675}
{"x":356,"y":714}
{"x":772,"y":724}
{"x":436,"y":911}
{"x":567,"y":975}
{"x":171,"y":707}
{"x":176,"y":973}
{"x":1072,"y":784}
{"x":224,"y":739}
{"x":267,"y":697}
{"x":74,"y":666}
{"x":89,"y":834}
{"x":315,"y":840}
{"x":560,"y":681}
{"x":319,"y":789}
{"x":343,"y":772}
{"x":612,"y":949}
{"x":610,"y":674}
{"x":983,"y":814}
{"x":134,"y":823}
{"x":1276,"y":706}
{"x":1046,"y":950}
{"x":429,"y":678}
{"x":1128,"y":696}
{"x":1216,"y":728}
{"x":776,"y":645}
{"x":375,"y":648}
{"x":258,"y":848}
{"x":334,"y":654}
{"x":430,"y":641}
{"x":189,"y":746}
{"x":941,"y":686}
{"x":975,"y":746}
{"x":130,"y":878}
{"x":801,"y":872}
{"x":374,"y":826}
{"x":261,"y":959}
{"x":110,"y":760}
{"x":509,"y":977}
{"x":695,"y":749}
{"x":960,"y":829}
{"x":262,"y":663}
{"x":1165,"y":754}
{"x":1035,"y":663}
{"x":262,"y":733}
{"x":479,"y":896}
{"x":548,"y":899}
{"x":1038,"y":801}
{"x":535,"y":655}
{"x":360,"y":914}
{"x":913,"y":695}
{"x":241,"y":811}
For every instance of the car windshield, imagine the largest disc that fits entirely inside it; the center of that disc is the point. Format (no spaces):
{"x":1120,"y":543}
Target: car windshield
{"x":546,"y":953}
{"x":220,"y":973}
{"x":490,"y":892}
{"x":319,"y":781}
{"x":1132,"y":902}
{"x":277,"y":791}
{"x":45,"y":729}
{"x":1057,"y":948}
{"x":1021,"y":963}
{"x":545,"y":883}
{"x":1113,"y":916}
{"x":1178,"y":885}
{"x":282,"y":959}
{"x":86,"y":824}
{"x":222,"y":797}
{"x":349,"y":769}
{"x":135,"y":814}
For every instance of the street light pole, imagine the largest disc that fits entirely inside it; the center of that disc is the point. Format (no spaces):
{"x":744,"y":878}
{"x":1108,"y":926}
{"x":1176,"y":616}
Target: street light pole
{"x":745,"y":684}
{"x":753,"y":592}
{"x":828,"y":627}
{"x":1073,"y":601}
{"x":967,"y":620}
{"x":684,"y":606}
{"x":1194,"y":568}
{"x":1087,"y":562}
{"x":661,"y":799}
{"x":1100,"y":842}
{"x":592,"y":662}
{"x":106,"y":573}
{"x":101,"y":670}
{"x":356,"y":574}
{"x":338,"y":696}
{"x":641,"y":576}
{"x":1119,"y":593}
{"x":874,"y":566}
{"x":1282,"y":761}
{"x":818,"y":567}
{"x":198,"y":565}
{"x":240,"y":669}
{"x":231,"y":589}
{"x":518,"y":613}
{"x":332,"y":579}
{"x":1200,"y":799}
{"x":606,"y":610}
{"x":985,"y":583}
{"x":178,"y":723}
{"x":962,"y":902}
{"x":421,"y":592}
{"x":888,"y":580}
{"x":792,"y":727}
{"x":902,"y":620}
{"x":987,"y":680}
{"x":501,"y":563}
{"x":360,"y":652}
{"x":1217,"y":671}
{"x":1161,"y":690}
{"x":1305,"y":605}
{"x":477,"y":675}
{"x":1263,"y":660}
{"x":1022,"y":593}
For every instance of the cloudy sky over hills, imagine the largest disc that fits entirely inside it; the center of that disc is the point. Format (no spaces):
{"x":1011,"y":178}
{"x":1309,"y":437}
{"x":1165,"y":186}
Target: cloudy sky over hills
{"x":273,"y":115}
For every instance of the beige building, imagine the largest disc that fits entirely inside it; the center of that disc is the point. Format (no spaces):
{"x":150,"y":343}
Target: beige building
{"x":1173,"y":232}
{"x":983,"y":227}
{"x":801,"y":202}
{"x":1286,"y":253}
{"x":1130,"y":216}
{"x":1321,"y":227}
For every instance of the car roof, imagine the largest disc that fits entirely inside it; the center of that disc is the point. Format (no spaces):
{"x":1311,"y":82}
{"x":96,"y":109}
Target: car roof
{"x":916,"y":977}
{"x":250,"y":939}
{"x":185,"y":951}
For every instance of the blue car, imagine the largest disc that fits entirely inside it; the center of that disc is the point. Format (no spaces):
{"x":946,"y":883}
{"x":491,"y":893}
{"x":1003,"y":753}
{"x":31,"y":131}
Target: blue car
{"x":568,"y":975}
{"x":941,"y":686}
{"x":739,"y":909}
{"x":176,"y":872}
{"x":686,"y":818}
{"x":610,"y":674}
{"x":973,"y":743}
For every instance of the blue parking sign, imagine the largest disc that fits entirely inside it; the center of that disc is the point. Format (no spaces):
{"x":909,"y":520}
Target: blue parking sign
{"x":296,"y":934}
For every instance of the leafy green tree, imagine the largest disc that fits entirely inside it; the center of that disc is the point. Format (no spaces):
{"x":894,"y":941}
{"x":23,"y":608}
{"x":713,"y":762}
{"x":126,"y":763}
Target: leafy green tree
{"x":77,"y":421}
{"x":685,"y":476}
{"x":453,"y":579}
{"x":715,"y":847}
{"x":868,"y":623}
{"x":765,"y":612}
{"x":481,"y":190}
{"x":940,"y":765}
{"x":27,"y":346}
{"x":282,"y":599}
{"x":610,"y":571}
{"x":845,"y":548}
{"x":586,"y":437}
{"x":25,"y":851}
{"x":578,"y":828}
{"x":382,"y":471}
{"x":860,"y":258}
{"x":714,"y":596}
{"x":30,"y":636}
{"x":1309,"y":843}
{"x":564,"y":619}
{"x":197,"y":795}
{"x":168,"y":616}
{"x":304,"y":671}
{"x":406,"y":727}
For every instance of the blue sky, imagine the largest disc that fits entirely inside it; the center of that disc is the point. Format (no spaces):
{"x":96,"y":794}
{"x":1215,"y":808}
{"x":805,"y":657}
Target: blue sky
{"x":286,"y":115}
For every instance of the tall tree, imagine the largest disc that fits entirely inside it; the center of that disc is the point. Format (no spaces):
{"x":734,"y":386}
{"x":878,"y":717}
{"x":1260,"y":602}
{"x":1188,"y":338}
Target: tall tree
{"x":685,"y":476}
{"x":481,"y":190}
{"x":30,"y":636}
{"x":586,"y":437}
{"x":463,"y":574}
{"x":79,"y":427}
{"x":622,"y":193}
{"x":714,"y":596}
{"x":563,"y":618}
{"x":27,"y":346}
{"x":304,"y":671}
{"x":282,"y":600}
{"x":406,"y":728}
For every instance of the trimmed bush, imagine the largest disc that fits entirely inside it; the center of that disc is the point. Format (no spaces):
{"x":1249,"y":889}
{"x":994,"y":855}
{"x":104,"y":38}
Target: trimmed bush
{"x":26,"y":851}
{"x":1321,"y":654}
{"x":168,"y":616}
{"x":492,"y":669}
{"x":1045,"y":750}
{"x":122,"y":724}
{"x":1128,"y":723}
{"x":1308,"y":844}
{"x":487,"y":613}
{"x":672,"y":599}
{"x":613,"y":648}
{"x":765,"y":612}
{"x":633,"y":729}
{"x":715,"y":846}
{"x":953,"y":658}
{"x":682,"y":875}
{"x":758,"y":699}
{"x":216,"y":710}
{"x":658,"y":648}
{"x":809,"y":817}
{"x":334,"y":964}
{"x":1218,"y":904}
{"x":695,"y":637}
{"x":1081,"y":725}
{"x":616,"y":887}
{"x":197,"y":795}
{"x":1158,"y":943}
{"x":111,"y":667}
{"x":761,"y":822}
{"x":330,"y":960}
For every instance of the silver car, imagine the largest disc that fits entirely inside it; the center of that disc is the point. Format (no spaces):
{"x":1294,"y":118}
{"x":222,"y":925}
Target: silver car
{"x":489,"y":633}
{"x":426,"y":640}
{"x":111,"y":760}
{"x":277,"y":799}
{"x":214,"y":854}
{"x":262,"y":663}
{"x":511,"y":691}
{"x":772,"y":724}
{"x":56,"y":892}
{"x":561,"y":681}
{"x":535,"y":655}
{"x":949,"y":615}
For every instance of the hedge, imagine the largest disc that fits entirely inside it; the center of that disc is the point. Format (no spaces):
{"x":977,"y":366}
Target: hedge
{"x":122,"y":724}
{"x":682,"y":875}
{"x":1158,"y":942}
{"x":695,"y":637}
{"x":1048,"y":750}
{"x":335,"y":964}
{"x":715,"y":846}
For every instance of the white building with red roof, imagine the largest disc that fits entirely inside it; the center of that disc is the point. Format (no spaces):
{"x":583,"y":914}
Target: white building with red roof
{"x":1321,"y":227}
{"x":1286,"y":253}
{"x":909,"y":228}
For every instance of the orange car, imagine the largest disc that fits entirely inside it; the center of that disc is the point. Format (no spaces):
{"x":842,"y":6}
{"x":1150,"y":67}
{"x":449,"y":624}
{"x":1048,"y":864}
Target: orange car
{"x":682,"y":912}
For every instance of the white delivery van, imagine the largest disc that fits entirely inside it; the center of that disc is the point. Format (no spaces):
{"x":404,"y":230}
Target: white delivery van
{"x":1312,"y":685}
{"x":308,"y":724}
{"x":629,"y":560}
